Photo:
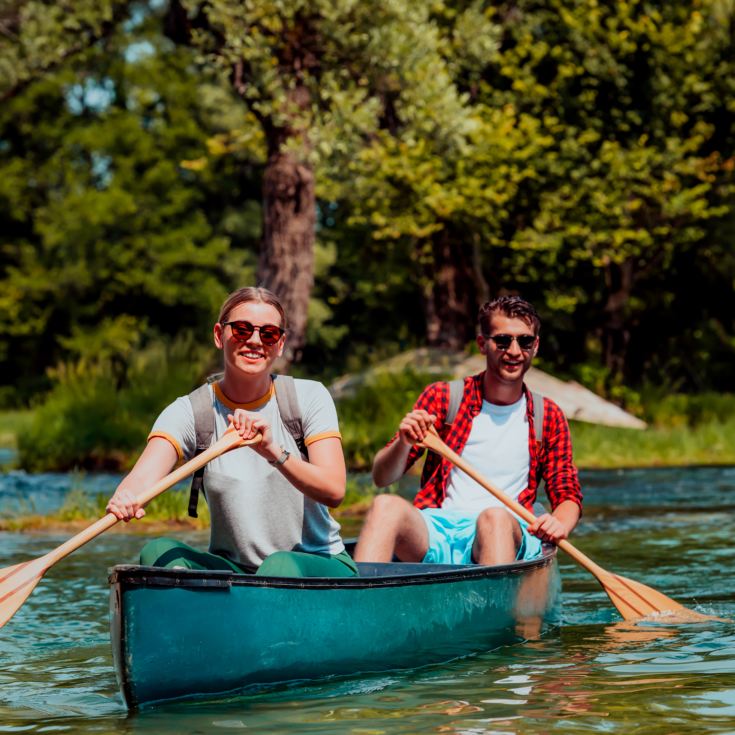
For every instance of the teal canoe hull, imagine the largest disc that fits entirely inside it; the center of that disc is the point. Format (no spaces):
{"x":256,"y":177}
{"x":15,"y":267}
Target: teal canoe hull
{"x":181,"y":633}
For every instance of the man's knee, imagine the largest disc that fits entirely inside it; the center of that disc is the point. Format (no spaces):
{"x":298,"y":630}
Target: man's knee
{"x":385,"y":507}
{"x":496,"y":520}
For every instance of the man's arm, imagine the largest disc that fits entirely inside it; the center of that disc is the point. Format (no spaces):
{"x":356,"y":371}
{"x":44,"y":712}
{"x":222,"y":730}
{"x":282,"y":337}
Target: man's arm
{"x":562,"y":482}
{"x":558,"y":525}
{"x":390,"y":462}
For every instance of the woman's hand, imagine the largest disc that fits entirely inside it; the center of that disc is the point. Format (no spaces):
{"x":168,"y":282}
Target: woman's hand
{"x":248,"y":425}
{"x":124,"y":505}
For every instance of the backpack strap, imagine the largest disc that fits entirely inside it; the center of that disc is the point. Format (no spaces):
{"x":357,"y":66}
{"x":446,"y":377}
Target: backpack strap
{"x":456,"y":391}
{"x":201,"y":403}
{"x":538,"y":429}
{"x":538,"y":417}
{"x":288,"y":407}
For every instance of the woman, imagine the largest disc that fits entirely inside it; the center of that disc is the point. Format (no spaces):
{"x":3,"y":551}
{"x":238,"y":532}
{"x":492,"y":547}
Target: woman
{"x":268,"y":505}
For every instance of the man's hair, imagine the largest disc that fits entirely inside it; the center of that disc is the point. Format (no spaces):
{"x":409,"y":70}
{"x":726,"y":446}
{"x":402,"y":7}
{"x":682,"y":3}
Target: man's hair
{"x":513,"y":307}
{"x":252,"y":293}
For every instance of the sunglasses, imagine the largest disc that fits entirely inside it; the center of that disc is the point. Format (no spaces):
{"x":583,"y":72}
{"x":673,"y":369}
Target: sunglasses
{"x":504,"y":341}
{"x":243,"y":331}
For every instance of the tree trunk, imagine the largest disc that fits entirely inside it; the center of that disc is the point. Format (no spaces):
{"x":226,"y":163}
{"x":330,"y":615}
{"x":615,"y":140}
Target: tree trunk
{"x":455,"y":288}
{"x":616,"y":331}
{"x":286,"y":264}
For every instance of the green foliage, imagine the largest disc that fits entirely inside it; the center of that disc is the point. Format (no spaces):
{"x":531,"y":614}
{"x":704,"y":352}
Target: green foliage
{"x":98,"y":417}
{"x":604,"y":447}
{"x":172,"y":506}
{"x":370,"y":416}
{"x":691,"y":411}
{"x":11,"y":424}
{"x":111,"y":229}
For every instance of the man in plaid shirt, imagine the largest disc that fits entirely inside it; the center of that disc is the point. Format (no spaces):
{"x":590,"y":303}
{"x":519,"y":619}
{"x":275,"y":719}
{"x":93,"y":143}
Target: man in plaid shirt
{"x":454,"y":520}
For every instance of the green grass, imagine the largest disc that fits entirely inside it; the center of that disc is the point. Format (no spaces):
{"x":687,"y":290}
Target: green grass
{"x":12,"y":423}
{"x":707,"y":442}
{"x":169,"y":508}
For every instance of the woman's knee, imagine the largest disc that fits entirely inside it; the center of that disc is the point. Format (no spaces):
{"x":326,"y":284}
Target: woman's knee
{"x":156,"y":549}
{"x":281,"y":564}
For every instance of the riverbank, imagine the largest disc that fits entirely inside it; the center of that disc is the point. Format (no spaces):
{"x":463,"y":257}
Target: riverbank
{"x":709,"y":442}
{"x":682,"y":438}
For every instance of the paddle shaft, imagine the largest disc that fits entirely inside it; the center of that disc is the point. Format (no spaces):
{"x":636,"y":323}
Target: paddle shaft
{"x":433,"y":442}
{"x":17,"y":582}
{"x":229,"y":440}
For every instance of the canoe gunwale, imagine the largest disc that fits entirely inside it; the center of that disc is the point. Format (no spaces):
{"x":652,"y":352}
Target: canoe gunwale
{"x":420,"y":574}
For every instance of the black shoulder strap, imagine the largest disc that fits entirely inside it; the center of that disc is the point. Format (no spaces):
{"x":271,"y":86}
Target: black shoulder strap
{"x":288,"y":407}
{"x":201,"y":403}
{"x":456,"y":391}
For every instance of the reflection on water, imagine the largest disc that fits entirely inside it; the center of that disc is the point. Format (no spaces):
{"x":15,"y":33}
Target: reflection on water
{"x":669,"y":529}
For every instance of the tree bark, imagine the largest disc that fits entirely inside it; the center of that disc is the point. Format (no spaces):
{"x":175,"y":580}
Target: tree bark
{"x":616,"y":330}
{"x":286,"y":264}
{"x":455,"y":288}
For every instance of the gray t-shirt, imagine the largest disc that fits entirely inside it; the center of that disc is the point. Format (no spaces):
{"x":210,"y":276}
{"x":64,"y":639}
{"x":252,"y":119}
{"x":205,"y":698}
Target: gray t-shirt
{"x":255,"y":511}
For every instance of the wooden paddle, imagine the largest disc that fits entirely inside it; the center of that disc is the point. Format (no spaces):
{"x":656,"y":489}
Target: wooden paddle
{"x":632,"y":599}
{"x":17,"y":582}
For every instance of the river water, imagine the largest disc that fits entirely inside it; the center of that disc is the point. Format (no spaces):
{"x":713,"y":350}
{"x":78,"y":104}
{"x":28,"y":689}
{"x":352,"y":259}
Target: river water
{"x":671,"y":529}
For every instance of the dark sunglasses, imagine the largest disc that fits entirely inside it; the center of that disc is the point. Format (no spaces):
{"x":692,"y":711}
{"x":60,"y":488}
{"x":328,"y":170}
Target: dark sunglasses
{"x":504,"y":341}
{"x":243,"y":331}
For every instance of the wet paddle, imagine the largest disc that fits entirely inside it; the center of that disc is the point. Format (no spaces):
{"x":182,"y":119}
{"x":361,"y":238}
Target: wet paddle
{"x":17,"y":582}
{"x":633,"y":600}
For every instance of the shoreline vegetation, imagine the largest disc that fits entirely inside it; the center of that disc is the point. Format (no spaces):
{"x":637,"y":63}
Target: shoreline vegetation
{"x":683,"y":431}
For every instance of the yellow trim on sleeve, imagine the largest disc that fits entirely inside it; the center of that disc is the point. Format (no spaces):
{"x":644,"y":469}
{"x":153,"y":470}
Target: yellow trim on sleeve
{"x":324,"y":435}
{"x":168,"y":438}
{"x":225,"y":401}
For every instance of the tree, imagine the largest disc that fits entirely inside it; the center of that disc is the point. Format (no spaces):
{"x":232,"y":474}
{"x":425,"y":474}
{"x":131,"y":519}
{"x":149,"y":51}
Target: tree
{"x":118,"y":224}
{"x":633,"y":95}
{"x":321,"y":77}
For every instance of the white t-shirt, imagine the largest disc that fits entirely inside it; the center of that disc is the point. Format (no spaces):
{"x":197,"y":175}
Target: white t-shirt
{"x":254,"y":510}
{"x":498,"y":448}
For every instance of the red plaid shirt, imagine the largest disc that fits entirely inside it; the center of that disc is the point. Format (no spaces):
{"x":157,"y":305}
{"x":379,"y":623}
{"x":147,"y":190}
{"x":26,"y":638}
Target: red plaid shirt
{"x":552,"y":462}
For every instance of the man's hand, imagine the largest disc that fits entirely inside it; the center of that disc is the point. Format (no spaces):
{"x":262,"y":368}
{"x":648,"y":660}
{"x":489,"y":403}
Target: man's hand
{"x":548,"y":528}
{"x":414,"y":426}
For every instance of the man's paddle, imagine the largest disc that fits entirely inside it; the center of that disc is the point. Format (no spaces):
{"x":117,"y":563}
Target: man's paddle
{"x":632,"y":599}
{"x":17,"y":582}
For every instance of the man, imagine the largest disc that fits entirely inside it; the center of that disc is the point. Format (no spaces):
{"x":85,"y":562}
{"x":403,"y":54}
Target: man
{"x":454,"y":520}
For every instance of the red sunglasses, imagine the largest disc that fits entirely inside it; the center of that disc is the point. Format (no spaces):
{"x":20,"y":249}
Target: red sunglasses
{"x":242,"y":331}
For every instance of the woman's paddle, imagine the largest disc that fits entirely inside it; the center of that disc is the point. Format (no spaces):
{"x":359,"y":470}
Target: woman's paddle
{"x":632,"y":599}
{"x":17,"y":582}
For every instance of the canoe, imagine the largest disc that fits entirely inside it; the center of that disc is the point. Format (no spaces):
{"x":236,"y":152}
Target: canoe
{"x":180,"y":633}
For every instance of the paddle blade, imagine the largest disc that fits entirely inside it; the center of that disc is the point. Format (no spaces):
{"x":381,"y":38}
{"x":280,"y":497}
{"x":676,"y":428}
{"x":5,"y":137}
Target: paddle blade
{"x":634,"y":601}
{"x":16,"y":584}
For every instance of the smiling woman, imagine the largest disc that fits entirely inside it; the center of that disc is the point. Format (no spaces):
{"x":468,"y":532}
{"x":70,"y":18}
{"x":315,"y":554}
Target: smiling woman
{"x":268,"y":501}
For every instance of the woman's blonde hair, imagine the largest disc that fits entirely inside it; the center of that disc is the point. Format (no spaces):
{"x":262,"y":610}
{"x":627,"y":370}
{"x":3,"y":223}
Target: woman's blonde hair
{"x":248,"y":294}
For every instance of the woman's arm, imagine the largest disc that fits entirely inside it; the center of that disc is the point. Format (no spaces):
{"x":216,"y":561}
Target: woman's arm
{"x":157,"y":460}
{"x":323,"y":478}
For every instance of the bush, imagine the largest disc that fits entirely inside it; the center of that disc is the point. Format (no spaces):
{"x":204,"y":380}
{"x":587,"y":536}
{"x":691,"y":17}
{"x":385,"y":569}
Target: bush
{"x":679,"y":409}
{"x":98,"y":416}
{"x":371,"y":415}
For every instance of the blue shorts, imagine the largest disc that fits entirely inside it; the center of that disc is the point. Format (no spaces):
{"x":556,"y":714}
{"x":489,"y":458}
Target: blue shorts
{"x":452,"y":533}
